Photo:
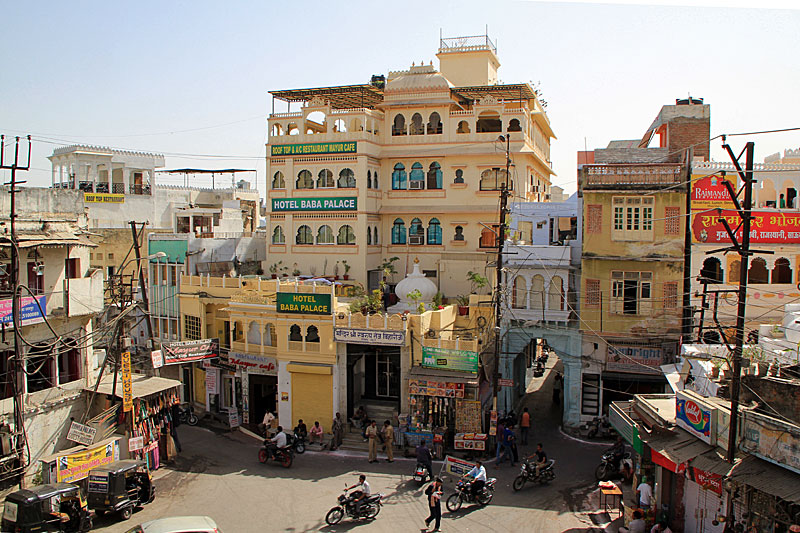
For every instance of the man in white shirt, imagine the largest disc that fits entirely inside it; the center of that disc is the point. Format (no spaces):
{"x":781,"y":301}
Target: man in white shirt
{"x":266,"y":423}
{"x":478,"y":473}
{"x":276,"y":442}
{"x":361,"y":493}
{"x":645,"y":494}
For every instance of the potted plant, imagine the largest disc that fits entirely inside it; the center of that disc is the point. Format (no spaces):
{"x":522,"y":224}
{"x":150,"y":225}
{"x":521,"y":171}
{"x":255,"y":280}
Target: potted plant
{"x":274,"y":268}
{"x":463,"y":304}
{"x":415,"y":297}
{"x":346,"y":270}
{"x":336,"y":271}
{"x":296,"y":272}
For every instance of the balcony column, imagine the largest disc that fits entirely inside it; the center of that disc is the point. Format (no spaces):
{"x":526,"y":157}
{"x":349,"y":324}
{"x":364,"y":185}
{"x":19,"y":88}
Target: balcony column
{"x":110,"y":176}
{"x":261,"y":326}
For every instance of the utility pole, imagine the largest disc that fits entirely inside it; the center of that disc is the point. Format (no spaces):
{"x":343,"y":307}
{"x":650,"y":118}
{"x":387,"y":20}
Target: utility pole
{"x":143,"y":286}
{"x":501,"y":239}
{"x":19,"y":375}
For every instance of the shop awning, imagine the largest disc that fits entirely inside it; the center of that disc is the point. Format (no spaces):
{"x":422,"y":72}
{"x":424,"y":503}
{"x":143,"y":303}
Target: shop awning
{"x":768,"y":478}
{"x":142,"y":385}
{"x":712,"y":462}
{"x":468,"y":378}
{"x":677,"y":446}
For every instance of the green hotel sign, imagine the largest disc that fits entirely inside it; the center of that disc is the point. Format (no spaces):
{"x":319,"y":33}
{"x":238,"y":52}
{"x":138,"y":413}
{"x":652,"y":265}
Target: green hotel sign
{"x":445,"y":359}
{"x":344,"y":203}
{"x":313,"y":148}
{"x":303,"y":303}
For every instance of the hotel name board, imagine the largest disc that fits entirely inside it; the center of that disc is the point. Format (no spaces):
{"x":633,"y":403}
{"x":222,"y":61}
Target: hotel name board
{"x":303,"y":303}
{"x":345,"y":203}
{"x":314,"y":148}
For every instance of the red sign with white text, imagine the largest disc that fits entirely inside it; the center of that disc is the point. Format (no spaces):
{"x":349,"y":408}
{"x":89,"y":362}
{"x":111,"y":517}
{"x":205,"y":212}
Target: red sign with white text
{"x":774,"y":227}
{"x":710,"y":192}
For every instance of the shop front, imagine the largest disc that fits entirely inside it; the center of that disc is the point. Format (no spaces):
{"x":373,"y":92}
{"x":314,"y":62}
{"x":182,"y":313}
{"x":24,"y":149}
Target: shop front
{"x":766,"y":496}
{"x":258,"y":375}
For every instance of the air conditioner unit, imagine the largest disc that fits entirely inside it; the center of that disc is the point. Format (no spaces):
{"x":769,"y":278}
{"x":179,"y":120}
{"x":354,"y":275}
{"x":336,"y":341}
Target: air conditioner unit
{"x":416,"y":185}
{"x":416,"y":239}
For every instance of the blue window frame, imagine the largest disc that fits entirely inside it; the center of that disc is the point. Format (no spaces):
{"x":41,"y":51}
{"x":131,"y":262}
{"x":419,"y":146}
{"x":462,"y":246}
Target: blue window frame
{"x":399,"y":231}
{"x":399,"y":177}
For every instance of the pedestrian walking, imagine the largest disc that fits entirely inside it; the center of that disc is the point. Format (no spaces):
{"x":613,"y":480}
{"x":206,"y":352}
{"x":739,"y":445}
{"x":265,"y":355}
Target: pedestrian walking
{"x":337,"y":428}
{"x":372,"y":438}
{"x":434,"y":494}
{"x":388,"y":439}
{"x":499,"y":437}
{"x":512,"y":443}
{"x":524,"y":426}
{"x":176,"y":421}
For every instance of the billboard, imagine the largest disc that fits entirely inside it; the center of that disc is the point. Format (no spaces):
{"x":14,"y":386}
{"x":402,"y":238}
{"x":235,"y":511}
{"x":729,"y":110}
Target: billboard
{"x":767,"y":227}
{"x":30,"y":310}
{"x":634,"y":359}
{"x":695,"y":416}
{"x":314,"y":148}
{"x":176,"y":353}
{"x":446,"y":359}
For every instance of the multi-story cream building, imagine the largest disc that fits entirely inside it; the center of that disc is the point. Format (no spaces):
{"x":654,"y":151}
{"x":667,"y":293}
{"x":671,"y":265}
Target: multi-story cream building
{"x":406,"y":166}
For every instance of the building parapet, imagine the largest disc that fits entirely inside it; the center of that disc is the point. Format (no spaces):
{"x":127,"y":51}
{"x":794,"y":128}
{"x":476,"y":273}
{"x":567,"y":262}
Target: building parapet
{"x":611,"y":176}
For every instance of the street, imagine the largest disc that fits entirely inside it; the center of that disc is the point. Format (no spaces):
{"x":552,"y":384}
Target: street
{"x":218,"y":475}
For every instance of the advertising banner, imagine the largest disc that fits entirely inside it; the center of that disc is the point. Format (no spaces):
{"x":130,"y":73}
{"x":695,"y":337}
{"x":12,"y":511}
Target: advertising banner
{"x":29,"y":310}
{"x":314,"y":148}
{"x":127,"y":385}
{"x":694,"y":417}
{"x":446,"y":359}
{"x":341,"y":203}
{"x":470,"y":441}
{"x":176,"y":353}
{"x":76,"y":466}
{"x":233,"y":418}
{"x":771,"y":439}
{"x":635,"y":359}
{"x":303,"y":303}
{"x":707,"y":480}
{"x":135,"y":444}
{"x":709,"y":192}
{"x":81,"y":434}
{"x":211,"y":380}
{"x":443,"y":389}
{"x":767,"y":227}
{"x":103,"y":198}
{"x":157,"y":358}
{"x":254,"y":364}
{"x":382,"y":337}
{"x":456,"y":467}
{"x":468,"y":416}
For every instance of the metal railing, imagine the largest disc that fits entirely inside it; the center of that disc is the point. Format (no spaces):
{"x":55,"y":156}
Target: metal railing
{"x":471,"y":42}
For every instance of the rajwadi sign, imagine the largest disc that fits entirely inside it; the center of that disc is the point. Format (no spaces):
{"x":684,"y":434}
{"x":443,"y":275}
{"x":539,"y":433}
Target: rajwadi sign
{"x":314,"y":148}
{"x":382,"y":337}
{"x":176,"y":353}
{"x":254,"y":364}
{"x":694,"y":417}
{"x":344,"y":203}
{"x":767,"y":227}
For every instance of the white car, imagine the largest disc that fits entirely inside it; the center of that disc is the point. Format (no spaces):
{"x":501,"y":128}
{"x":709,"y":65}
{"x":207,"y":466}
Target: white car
{"x":178,"y":524}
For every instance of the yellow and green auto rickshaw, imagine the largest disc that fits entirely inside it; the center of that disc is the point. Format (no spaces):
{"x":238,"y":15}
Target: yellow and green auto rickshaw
{"x":119,"y":487}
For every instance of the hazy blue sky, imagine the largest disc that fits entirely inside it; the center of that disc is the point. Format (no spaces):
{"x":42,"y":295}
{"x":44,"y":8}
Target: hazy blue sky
{"x":136,"y":75}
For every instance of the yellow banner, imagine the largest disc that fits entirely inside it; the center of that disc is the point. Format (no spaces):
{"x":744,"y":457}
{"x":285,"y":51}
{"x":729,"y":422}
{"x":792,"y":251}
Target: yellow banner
{"x":127,"y":387}
{"x":76,"y":466}
{"x":103,"y":198}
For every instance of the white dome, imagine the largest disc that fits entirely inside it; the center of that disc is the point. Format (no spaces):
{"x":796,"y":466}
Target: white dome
{"x":420,"y":78}
{"x":414,"y":281}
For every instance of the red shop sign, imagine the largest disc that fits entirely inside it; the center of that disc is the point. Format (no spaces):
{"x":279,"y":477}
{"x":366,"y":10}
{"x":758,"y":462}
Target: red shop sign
{"x":766,"y":227}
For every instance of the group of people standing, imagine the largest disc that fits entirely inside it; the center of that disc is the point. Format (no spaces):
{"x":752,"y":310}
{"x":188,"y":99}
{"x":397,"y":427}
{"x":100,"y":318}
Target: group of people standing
{"x":507,"y":438}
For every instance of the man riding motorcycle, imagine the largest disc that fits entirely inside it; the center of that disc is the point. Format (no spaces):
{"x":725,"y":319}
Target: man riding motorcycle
{"x":277,"y":442}
{"x":478,"y":475}
{"x":619,"y":452}
{"x":359,"y":495}
{"x":539,"y":458}
{"x":424,"y":457}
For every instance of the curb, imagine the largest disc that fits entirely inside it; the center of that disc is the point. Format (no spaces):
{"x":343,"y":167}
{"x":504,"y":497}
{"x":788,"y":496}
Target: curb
{"x":576,"y":439}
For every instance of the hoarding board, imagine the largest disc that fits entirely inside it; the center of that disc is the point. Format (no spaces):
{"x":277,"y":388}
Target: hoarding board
{"x":303,"y":303}
{"x":314,"y":148}
{"x":446,"y":359}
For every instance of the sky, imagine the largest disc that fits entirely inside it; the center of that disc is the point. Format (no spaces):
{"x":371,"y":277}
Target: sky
{"x":191,"y":79}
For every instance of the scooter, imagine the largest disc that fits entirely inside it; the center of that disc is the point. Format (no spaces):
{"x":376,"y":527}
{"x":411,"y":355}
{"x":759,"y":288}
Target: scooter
{"x":528,"y":473}
{"x":186,"y":415}
{"x":601,"y":427}
{"x":420,"y":473}
{"x":370,"y":508}
{"x":284,"y":456}
{"x":606,"y":469}
{"x":464,"y":494}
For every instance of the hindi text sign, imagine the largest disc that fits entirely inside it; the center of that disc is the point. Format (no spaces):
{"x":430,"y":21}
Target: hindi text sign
{"x":81,"y":434}
{"x":127,"y":384}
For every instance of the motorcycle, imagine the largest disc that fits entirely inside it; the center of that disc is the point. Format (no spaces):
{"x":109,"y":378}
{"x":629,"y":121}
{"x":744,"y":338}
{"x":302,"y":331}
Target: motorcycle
{"x":370,"y":508}
{"x":607,"y":469}
{"x":296,"y":441}
{"x":186,"y":415}
{"x":601,"y":427}
{"x":284,"y":456}
{"x":420,"y":473}
{"x":528,"y":473}
{"x":464,"y":494}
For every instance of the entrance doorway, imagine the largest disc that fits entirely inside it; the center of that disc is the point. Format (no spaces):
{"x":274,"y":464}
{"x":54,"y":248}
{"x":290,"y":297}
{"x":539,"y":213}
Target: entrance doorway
{"x":373,"y":377}
{"x":263,"y":396}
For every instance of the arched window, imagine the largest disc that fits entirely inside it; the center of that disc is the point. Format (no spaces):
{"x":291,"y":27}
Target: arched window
{"x":537,"y":292}
{"x":435,"y":176}
{"x":325,"y":178}
{"x":556,"y":294}
{"x":356,"y":125}
{"x":459,"y":176}
{"x":459,"y":234}
{"x":493,"y":178}
{"x":238,"y":331}
{"x":293,"y":129}
{"x":295,"y":333}
{"x":434,"y":231}
{"x":416,"y":179}
{"x":347,"y":180}
{"x":416,"y":127}
{"x":339,"y":126}
{"x":277,"y":180}
{"x":304,"y":180}
{"x":434,"y":124}
{"x":346,"y":235}
{"x":325,"y":235}
{"x":375,"y":239}
{"x":369,"y":179}
{"x":711,"y":271}
{"x":254,"y":333}
{"x":398,"y":231}
{"x":514,"y":125}
{"x":782,"y":272}
{"x":520,"y":294}
{"x":277,"y":236}
{"x":312,"y":334}
{"x":416,"y":229}
{"x":270,"y":335}
{"x":735,"y":271}
{"x":304,"y":235}
{"x":489,"y":122}
{"x":369,"y":236}
{"x":277,"y":130}
{"x":399,"y":177}
{"x":758,"y":272}
{"x":399,"y":125}
{"x":463,"y":127}
{"x":375,"y":183}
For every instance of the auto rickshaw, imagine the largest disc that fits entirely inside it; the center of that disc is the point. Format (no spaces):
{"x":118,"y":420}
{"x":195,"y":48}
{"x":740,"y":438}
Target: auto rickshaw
{"x":120,"y":487}
{"x":57,"y":507}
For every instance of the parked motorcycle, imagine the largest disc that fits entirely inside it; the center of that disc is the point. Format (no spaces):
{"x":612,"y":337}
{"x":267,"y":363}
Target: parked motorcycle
{"x":186,"y":415}
{"x":284,"y":456}
{"x":601,"y":427}
{"x":607,"y":469}
{"x":370,"y":508}
{"x":296,"y":441}
{"x":420,"y":473}
{"x":528,"y":473}
{"x":464,"y":494}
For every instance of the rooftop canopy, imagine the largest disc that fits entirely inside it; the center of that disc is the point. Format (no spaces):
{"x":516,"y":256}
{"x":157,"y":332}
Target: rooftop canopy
{"x":341,"y":97}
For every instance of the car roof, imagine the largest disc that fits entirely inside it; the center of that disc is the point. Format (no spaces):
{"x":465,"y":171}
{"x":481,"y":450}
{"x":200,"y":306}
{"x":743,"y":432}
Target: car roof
{"x":179,"y":524}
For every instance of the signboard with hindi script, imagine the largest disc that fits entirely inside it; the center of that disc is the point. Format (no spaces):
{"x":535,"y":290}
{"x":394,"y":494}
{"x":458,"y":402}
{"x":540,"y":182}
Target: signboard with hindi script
{"x":446,"y":359}
{"x":314,"y":148}
{"x":342,"y":203}
{"x":382,"y":337}
{"x":303,"y":303}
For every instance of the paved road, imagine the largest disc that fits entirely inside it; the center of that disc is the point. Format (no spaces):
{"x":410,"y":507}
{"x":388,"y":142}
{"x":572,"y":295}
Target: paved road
{"x":218,"y":475}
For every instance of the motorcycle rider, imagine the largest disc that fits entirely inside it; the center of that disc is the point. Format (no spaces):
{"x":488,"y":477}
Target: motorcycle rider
{"x":424,"y":457}
{"x":275,"y":443}
{"x":478,"y":475}
{"x":539,"y":458}
{"x":619,"y":452}
{"x":359,"y":495}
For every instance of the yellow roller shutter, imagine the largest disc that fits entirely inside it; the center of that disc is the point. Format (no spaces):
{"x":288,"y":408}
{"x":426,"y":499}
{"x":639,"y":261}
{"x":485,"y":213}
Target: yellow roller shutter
{"x":312,"y":398}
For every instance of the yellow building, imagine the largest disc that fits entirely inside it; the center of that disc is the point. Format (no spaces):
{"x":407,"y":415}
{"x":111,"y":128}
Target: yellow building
{"x":406,"y":166}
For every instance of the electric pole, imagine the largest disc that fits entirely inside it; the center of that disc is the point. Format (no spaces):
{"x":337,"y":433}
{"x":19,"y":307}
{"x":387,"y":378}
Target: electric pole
{"x":501,"y":239}
{"x":143,"y":287}
{"x":19,"y":375}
